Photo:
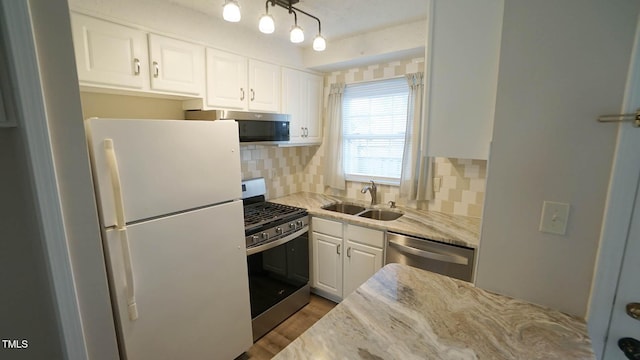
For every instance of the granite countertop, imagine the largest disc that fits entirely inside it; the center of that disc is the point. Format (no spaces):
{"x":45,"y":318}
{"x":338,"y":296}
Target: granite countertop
{"x":446,"y":228}
{"x":407,"y":313}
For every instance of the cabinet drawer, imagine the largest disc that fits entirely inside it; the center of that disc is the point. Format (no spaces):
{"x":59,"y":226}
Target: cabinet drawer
{"x":328,"y":227}
{"x":365,"y":236}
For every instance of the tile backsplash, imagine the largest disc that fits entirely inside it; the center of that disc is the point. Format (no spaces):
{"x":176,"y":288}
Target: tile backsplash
{"x":462,"y":188}
{"x":288,"y":170}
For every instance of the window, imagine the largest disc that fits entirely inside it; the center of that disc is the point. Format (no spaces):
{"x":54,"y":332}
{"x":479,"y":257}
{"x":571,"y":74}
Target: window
{"x":374,"y":119}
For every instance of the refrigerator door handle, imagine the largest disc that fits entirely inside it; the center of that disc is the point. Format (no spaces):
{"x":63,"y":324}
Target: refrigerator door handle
{"x":121,"y":226}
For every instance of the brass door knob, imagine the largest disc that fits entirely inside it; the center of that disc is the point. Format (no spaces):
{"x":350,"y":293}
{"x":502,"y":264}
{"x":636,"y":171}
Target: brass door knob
{"x":633,"y":310}
{"x":630,"y":347}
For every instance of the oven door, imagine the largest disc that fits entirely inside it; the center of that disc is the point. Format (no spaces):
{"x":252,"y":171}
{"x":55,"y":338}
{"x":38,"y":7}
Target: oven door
{"x":278,"y":270}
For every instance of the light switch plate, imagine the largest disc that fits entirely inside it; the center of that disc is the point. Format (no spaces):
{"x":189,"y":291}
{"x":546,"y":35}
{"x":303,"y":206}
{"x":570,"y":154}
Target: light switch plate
{"x":554,"y":217}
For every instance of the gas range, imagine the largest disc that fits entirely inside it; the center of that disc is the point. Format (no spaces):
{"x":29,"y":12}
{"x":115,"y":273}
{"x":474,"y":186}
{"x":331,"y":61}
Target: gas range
{"x":277,"y":238}
{"x":265,"y":221}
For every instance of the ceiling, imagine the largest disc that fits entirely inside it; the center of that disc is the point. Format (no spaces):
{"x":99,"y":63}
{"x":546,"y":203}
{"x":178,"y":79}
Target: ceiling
{"x":340,"y":18}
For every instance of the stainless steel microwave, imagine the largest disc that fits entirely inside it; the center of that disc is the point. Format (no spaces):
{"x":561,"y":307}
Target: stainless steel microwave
{"x":253,"y":127}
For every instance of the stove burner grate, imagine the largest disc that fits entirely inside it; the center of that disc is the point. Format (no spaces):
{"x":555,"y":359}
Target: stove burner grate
{"x":266,"y":212}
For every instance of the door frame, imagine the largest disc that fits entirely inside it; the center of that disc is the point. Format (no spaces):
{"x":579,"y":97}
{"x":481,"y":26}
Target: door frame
{"x":624,"y":180}
{"x":30,"y":111}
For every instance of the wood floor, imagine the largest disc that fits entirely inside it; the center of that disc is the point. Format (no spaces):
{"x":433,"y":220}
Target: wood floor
{"x":276,"y":340}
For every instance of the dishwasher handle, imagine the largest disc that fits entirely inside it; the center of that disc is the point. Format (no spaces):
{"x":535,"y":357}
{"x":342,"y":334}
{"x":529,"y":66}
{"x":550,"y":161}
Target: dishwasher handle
{"x":450,"y":258}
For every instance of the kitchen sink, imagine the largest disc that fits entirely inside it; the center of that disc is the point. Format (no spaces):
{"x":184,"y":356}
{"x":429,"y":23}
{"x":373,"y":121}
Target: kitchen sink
{"x":344,"y":208}
{"x":380,"y":214}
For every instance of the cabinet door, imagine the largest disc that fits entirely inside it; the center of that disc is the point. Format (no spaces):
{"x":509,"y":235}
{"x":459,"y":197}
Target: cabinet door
{"x":226,"y":80}
{"x":109,"y":54}
{"x":302,"y":99}
{"x":264,"y":86}
{"x":176,"y":66}
{"x":292,"y":103}
{"x":360,"y":263}
{"x":462,"y":93}
{"x":327,"y":264}
{"x":313,"y":106}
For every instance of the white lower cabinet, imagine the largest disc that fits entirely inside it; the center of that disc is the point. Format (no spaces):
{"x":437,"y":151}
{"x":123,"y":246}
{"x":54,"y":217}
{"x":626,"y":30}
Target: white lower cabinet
{"x":344,"y":256}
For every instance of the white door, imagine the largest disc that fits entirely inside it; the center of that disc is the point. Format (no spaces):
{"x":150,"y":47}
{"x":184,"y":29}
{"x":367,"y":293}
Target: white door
{"x":360,"y":263}
{"x":625,"y":323}
{"x":176,"y":66}
{"x":226,"y":80}
{"x":327,"y":263}
{"x":616,"y":283}
{"x":190,"y":285}
{"x":108,"y":53}
{"x":264,"y":86}
{"x":165,"y":166}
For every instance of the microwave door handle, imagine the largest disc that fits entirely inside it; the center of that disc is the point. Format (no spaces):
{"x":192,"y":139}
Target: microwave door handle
{"x":450,"y":258}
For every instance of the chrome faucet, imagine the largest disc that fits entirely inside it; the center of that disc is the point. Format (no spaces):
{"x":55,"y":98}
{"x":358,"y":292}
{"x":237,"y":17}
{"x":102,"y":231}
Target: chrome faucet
{"x":373,"y":190}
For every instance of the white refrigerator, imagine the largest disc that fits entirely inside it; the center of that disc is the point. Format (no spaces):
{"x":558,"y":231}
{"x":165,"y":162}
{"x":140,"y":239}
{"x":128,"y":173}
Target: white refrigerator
{"x":169,"y":198}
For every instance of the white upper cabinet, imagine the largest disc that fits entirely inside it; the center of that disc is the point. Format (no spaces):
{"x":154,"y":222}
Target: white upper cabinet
{"x":118,"y":57}
{"x":109,"y":54}
{"x":463,"y":55}
{"x":236,"y":82}
{"x":176,"y":66}
{"x":264,"y":86}
{"x":226,"y":80}
{"x":302,"y":99}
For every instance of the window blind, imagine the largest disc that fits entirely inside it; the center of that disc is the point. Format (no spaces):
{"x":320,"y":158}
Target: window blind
{"x":374,"y":118}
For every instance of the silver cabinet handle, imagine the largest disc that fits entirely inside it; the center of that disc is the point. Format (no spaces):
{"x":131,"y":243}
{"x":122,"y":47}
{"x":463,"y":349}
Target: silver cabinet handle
{"x":306,"y":132}
{"x":253,"y":95}
{"x":450,"y":258}
{"x":241,"y":92}
{"x":156,"y":69}
{"x":136,"y":66}
{"x":302,"y":129}
{"x":338,"y":249}
{"x":349,"y":252}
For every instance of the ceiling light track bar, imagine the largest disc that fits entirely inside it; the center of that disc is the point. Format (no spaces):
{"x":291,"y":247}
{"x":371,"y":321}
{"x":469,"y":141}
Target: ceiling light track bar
{"x":289,"y":6}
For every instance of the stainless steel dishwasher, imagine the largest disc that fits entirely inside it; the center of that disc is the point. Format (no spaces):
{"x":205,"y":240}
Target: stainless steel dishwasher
{"x":450,"y":260}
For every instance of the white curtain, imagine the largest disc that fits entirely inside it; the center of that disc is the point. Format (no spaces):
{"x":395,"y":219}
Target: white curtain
{"x":333,"y":164}
{"x":415,"y":179}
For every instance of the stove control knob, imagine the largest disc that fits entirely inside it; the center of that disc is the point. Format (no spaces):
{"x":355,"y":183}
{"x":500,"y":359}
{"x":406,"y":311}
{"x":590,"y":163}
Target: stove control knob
{"x":292,"y":225}
{"x":255,"y":238}
{"x":265,"y":236}
{"x":278,"y":230}
{"x":299,"y":223}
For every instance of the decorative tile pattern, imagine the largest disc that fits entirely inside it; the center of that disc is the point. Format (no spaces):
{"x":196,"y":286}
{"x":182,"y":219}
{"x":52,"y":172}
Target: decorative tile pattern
{"x":462,"y":187}
{"x":293,"y":169}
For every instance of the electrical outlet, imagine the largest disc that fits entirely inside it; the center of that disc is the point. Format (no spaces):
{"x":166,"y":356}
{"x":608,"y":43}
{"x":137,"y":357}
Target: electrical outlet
{"x":437,"y":182}
{"x":554,"y":217}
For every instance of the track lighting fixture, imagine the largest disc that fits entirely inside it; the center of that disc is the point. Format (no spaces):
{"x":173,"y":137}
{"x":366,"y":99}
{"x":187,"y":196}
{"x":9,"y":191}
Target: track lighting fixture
{"x":266,"y":24}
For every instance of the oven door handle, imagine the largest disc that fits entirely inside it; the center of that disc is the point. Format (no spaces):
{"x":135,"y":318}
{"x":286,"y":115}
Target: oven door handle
{"x":272,"y":244}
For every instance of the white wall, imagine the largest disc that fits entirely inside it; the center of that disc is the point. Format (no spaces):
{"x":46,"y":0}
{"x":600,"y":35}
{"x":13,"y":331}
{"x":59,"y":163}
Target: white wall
{"x":27,"y":305}
{"x":562,"y":64}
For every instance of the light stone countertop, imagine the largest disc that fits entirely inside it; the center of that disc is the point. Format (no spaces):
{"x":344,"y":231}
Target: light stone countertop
{"x":442,"y":227}
{"x":407,"y":313}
